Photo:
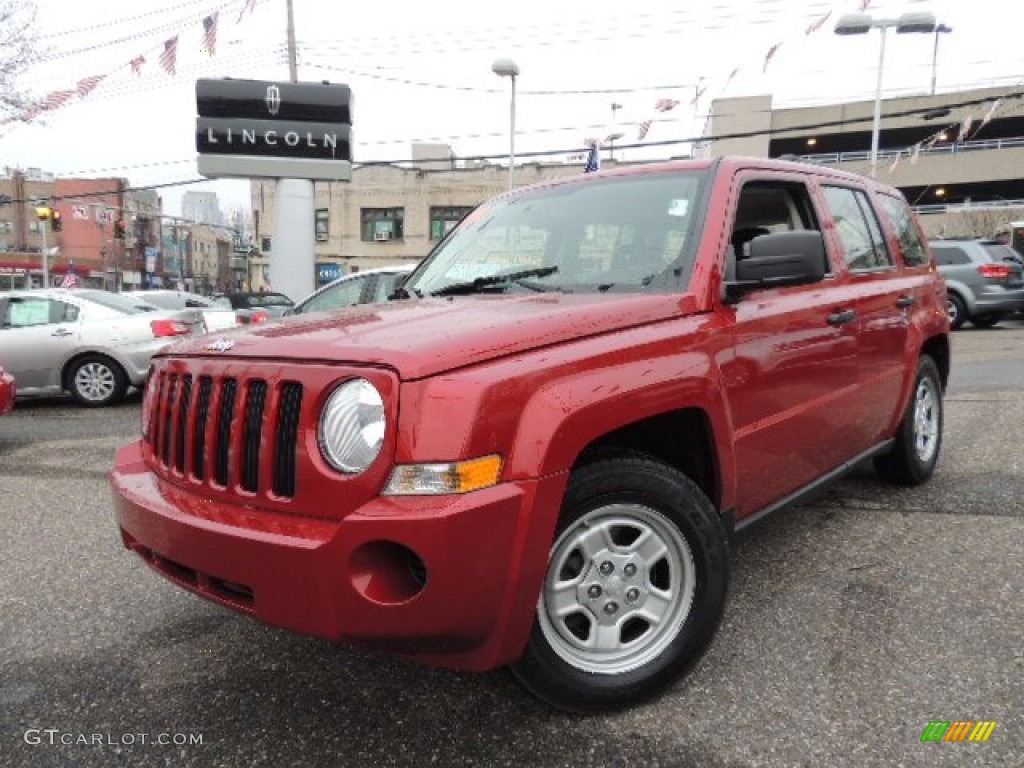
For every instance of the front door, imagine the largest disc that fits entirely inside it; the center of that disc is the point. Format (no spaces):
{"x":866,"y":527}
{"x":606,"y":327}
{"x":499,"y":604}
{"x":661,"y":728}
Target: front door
{"x":37,"y":335}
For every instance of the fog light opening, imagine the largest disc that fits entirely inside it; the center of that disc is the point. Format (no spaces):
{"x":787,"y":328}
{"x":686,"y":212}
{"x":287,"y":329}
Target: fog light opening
{"x":387,"y":573}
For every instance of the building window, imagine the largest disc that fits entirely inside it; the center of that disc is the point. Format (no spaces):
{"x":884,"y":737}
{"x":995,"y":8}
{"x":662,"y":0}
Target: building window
{"x":322,"y":227}
{"x":265,"y":245}
{"x":34,"y":227}
{"x":382,"y":223}
{"x":444,"y":219}
{"x":7,"y":227}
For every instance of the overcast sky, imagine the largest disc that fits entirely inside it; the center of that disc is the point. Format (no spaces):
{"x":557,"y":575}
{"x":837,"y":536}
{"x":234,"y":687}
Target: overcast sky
{"x":421,"y":71}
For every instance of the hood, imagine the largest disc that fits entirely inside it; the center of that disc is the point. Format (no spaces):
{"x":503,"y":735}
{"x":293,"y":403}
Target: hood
{"x":423,"y":337}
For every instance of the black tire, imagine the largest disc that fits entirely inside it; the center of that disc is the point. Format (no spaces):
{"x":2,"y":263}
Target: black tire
{"x":655,"y":611}
{"x":918,"y":443}
{"x":986,"y":321}
{"x":96,"y":381}
{"x":957,"y":311}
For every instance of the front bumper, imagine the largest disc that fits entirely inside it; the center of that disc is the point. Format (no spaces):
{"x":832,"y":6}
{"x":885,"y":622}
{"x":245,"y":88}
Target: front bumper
{"x":445,"y":580}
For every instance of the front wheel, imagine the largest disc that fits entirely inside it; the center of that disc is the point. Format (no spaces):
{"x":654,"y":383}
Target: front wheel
{"x":96,"y":380}
{"x":634,"y":590}
{"x":913,"y":456}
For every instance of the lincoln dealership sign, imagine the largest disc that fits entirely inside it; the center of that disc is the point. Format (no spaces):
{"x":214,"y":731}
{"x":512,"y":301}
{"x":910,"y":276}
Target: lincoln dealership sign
{"x":255,"y":128}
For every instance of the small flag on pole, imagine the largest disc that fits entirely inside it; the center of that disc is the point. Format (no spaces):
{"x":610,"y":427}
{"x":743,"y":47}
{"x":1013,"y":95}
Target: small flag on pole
{"x":70,"y":278}
{"x":990,"y":114}
{"x":593,"y":159}
{"x":645,"y":126}
{"x":965,"y":128}
{"x":664,"y":105}
{"x":137,"y":63}
{"x":169,"y":57}
{"x":210,"y":33}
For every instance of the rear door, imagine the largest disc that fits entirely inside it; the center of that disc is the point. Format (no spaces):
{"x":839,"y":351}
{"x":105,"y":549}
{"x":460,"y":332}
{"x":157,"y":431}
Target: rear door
{"x":885,"y":297}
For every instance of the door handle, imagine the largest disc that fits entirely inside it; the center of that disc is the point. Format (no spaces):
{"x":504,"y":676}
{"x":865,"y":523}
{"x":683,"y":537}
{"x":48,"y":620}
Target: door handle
{"x":62,"y":332}
{"x":842,"y":316}
{"x":906,"y":301}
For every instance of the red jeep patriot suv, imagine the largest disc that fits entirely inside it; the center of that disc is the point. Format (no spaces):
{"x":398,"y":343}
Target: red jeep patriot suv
{"x":536,"y":456}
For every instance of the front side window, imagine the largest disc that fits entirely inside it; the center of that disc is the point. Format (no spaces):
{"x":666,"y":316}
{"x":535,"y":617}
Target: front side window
{"x":627,"y":233}
{"x":858,"y":229}
{"x":902,"y":221}
{"x":444,"y":219}
{"x":382,"y":224}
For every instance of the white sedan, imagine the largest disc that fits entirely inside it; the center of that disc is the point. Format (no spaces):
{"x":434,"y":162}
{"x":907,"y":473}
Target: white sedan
{"x":93,"y":344}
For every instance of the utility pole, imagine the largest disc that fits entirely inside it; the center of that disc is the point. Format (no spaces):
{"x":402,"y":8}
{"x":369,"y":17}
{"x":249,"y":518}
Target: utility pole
{"x":292,"y":255}
{"x":293,"y":69}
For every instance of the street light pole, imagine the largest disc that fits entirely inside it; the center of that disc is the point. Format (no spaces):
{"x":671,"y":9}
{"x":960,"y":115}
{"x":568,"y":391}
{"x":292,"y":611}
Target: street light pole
{"x":861,"y":23}
{"x":941,"y":29}
{"x":508,"y":68}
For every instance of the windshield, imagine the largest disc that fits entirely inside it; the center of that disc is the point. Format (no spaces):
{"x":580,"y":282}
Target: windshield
{"x":268,"y":300}
{"x":626,"y":233}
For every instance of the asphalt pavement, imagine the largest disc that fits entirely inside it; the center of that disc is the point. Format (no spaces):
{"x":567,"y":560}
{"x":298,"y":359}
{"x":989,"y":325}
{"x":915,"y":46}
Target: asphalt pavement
{"x":853,"y":621}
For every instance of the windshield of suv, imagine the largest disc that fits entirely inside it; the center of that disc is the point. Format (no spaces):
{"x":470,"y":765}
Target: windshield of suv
{"x":619,"y":233}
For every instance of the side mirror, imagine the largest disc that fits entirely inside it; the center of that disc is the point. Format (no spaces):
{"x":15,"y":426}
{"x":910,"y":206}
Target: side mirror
{"x":782,"y":258}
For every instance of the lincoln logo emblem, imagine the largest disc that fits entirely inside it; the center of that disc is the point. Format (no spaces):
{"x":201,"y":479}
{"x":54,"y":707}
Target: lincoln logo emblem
{"x":273,"y":99}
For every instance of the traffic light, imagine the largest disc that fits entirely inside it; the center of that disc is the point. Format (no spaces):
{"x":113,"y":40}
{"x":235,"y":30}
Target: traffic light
{"x":43,"y":212}
{"x":119,"y":229}
{"x":55,"y":223}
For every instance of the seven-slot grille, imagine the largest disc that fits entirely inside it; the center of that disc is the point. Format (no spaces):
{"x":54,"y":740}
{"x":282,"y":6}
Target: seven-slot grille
{"x":214,"y":429}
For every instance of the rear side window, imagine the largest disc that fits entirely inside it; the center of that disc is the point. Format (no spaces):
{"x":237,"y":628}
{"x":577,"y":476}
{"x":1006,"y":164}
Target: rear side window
{"x":858,"y":229}
{"x":902,"y":221}
{"x":950,"y":255}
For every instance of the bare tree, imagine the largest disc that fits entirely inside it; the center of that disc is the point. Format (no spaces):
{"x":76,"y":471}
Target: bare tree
{"x":17,"y":53}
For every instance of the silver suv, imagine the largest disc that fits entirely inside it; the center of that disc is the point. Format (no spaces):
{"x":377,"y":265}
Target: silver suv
{"x":985,"y":280}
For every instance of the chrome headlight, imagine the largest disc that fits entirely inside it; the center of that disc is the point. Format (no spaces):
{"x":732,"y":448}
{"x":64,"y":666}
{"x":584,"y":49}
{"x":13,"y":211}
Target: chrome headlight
{"x":352,"y":426}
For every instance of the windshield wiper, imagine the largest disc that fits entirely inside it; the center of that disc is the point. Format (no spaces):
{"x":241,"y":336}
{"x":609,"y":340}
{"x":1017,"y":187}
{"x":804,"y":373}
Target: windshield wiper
{"x":471,"y":286}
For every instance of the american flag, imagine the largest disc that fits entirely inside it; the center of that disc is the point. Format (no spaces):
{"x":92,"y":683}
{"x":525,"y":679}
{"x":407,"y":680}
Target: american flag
{"x":210,"y":33}
{"x":169,"y":56}
{"x":664,"y":105}
{"x":768,"y":57}
{"x":70,"y":278}
{"x":593,"y":159}
{"x":137,"y":63}
{"x":645,"y":126}
{"x":86,"y":84}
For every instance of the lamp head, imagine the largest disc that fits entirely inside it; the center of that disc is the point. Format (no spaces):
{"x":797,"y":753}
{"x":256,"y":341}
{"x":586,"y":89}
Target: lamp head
{"x":505,"y":68}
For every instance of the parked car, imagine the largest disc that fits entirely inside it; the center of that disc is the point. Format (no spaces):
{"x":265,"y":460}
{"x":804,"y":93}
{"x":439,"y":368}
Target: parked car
{"x":365,"y":287}
{"x":7,"y":390}
{"x":93,"y":344}
{"x":537,"y":457}
{"x":274,"y":304}
{"x":984,"y":280}
{"x":215,"y":317}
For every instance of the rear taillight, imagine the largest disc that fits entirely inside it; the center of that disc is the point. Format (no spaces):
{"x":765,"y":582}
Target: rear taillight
{"x":168,"y":327}
{"x":250,"y":318}
{"x":995,"y":271}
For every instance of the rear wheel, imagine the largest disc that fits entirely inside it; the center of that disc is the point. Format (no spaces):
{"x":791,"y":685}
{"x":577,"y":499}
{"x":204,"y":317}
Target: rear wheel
{"x":915,"y":453}
{"x":634,"y":591}
{"x":96,"y":380}
{"x":956,"y":310}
